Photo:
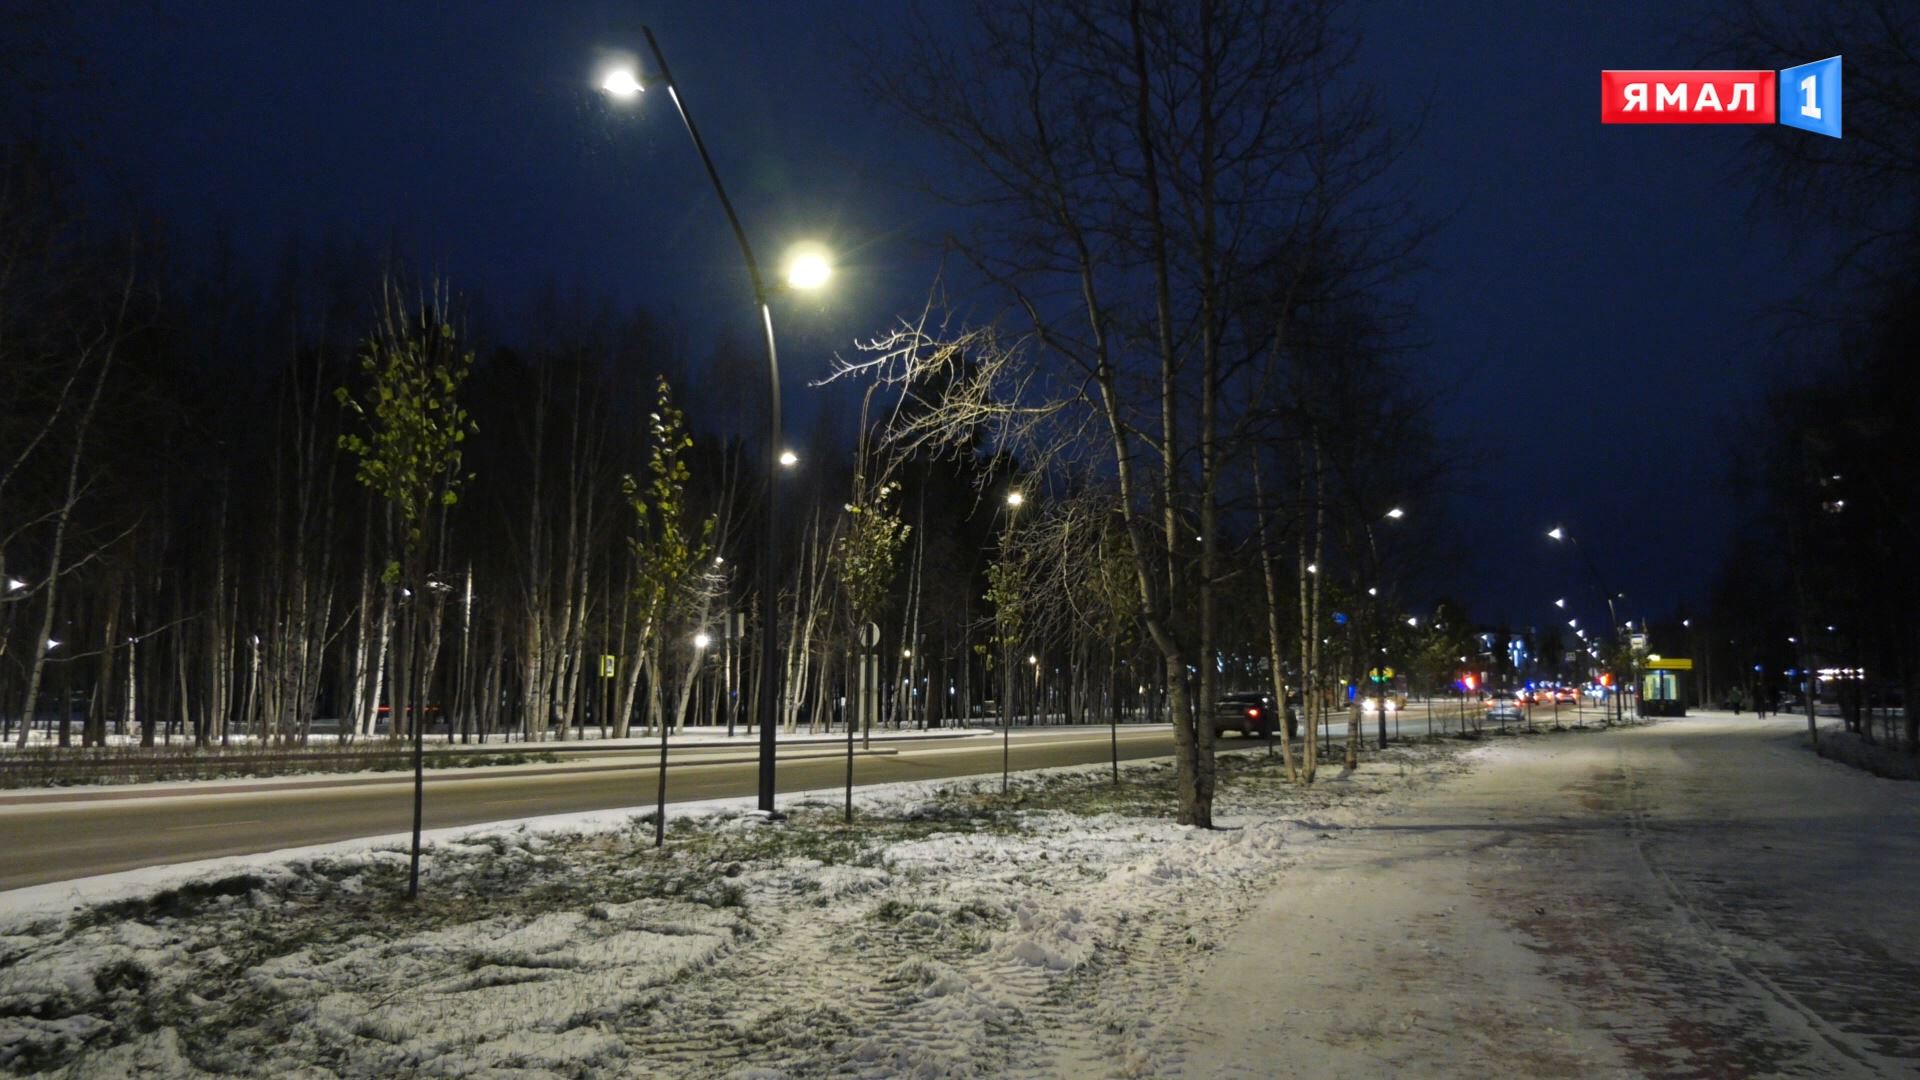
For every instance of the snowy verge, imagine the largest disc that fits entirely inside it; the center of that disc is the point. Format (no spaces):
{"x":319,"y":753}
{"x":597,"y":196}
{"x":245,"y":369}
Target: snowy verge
{"x":951,"y":931}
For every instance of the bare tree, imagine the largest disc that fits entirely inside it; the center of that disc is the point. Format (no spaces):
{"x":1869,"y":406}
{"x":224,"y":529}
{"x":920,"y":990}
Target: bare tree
{"x":1145,"y":179}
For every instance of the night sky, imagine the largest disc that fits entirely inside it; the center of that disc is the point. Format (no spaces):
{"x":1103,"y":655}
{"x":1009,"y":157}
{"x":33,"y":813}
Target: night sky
{"x":1595,"y":305}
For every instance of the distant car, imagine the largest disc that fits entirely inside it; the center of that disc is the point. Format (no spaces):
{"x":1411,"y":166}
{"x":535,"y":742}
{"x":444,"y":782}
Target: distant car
{"x":1372,"y":704}
{"x":1251,"y":714}
{"x":1505,"y":705}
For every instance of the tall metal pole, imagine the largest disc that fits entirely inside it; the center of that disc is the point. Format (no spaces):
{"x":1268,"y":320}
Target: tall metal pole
{"x":769,"y":579}
{"x":1613,"y":616}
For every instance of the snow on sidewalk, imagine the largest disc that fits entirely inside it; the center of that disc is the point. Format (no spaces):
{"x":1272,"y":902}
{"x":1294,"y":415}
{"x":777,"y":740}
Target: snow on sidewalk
{"x":949,"y":932}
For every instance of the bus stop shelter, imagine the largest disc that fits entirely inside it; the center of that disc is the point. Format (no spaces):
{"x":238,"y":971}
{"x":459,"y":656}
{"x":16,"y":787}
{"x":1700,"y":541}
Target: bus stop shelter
{"x":1664,"y":684}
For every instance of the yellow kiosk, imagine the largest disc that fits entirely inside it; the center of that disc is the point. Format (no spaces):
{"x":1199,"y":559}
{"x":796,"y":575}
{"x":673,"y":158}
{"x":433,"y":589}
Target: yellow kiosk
{"x":1662,"y":688}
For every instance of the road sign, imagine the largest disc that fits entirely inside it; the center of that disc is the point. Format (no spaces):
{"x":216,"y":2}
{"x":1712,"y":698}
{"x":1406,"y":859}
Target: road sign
{"x":606,"y":666}
{"x":870,"y":635}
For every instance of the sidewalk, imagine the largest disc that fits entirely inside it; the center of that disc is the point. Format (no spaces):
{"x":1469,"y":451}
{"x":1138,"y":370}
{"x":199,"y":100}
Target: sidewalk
{"x":1692,"y":897}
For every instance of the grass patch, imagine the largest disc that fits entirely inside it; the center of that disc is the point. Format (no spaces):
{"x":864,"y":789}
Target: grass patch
{"x":182,"y":902}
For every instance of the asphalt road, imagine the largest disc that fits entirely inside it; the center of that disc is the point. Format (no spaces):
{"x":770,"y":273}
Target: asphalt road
{"x":87,"y":835}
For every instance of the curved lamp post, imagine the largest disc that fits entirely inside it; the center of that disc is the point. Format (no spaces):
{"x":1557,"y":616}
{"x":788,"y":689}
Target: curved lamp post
{"x":1373,"y":607}
{"x":1559,"y":534}
{"x":808,"y":269}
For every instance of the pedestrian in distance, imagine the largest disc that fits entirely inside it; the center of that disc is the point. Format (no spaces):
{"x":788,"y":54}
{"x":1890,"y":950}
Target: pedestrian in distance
{"x":1760,"y":702}
{"x":1736,"y":698}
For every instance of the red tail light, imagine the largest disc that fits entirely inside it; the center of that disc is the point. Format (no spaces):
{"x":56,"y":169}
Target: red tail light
{"x":1255,"y":713}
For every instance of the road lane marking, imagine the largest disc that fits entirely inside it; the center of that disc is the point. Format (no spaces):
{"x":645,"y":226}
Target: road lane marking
{"x":214,"y":824}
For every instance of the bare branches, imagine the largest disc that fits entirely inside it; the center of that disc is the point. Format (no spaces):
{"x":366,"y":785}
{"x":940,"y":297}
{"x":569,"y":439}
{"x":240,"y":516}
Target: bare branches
{"x":955,"y":390}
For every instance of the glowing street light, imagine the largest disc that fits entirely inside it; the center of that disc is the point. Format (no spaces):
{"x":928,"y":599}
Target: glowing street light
{"x":1016,"y":499}
{"x":808,"y":267}
{"x":622,"y":83}
{"x":701,"y":640}
{"x":1556,"y":533}
{"x":1396,"y":513}
{"x":14,"y":584}
{"x":1560,"y":603}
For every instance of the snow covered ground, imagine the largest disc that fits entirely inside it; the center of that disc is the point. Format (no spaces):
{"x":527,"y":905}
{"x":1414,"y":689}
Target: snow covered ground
{"x":950,"y":931}
{"x":1691,"y":898}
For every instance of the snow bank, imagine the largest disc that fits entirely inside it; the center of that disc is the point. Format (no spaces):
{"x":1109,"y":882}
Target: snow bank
{"x":947,"y":933}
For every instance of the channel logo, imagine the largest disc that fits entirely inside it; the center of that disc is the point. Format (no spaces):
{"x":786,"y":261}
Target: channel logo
{"x":1806,"y":97}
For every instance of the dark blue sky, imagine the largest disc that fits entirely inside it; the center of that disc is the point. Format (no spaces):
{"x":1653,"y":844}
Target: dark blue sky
{"x":1595,"y":303}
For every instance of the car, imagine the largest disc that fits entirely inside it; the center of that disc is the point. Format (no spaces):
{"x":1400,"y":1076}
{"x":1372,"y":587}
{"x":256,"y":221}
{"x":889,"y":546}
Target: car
{"x":1505,"y":705}
{"x":1371,"y":705}
{"x":1566,"y":695}
{"x":1250,"y":713}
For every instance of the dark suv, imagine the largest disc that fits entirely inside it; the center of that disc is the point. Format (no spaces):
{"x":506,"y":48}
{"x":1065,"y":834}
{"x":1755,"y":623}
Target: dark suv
{"x":1251,"y":714}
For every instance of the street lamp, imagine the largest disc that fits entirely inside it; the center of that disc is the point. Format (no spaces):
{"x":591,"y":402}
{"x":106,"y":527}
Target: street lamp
{"x":1559,"y":533}
{"x":14,"y":584}
{"x":1015,"y":499}
{"x":701,"y":640}
{"x":622,"y":83}
{"x":788,"y":459}
{"x":808,"y":269}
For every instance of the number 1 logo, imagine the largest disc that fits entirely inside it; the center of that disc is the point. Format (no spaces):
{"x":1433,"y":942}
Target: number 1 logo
{"x":1817,"y":89}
